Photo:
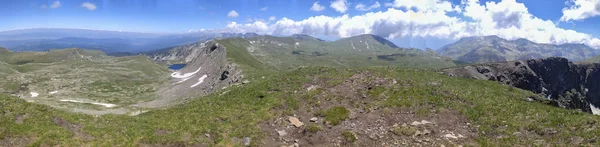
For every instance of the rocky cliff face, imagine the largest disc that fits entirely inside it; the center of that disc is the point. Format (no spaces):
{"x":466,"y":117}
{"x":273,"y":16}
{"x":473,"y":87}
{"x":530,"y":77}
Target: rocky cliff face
{"x":207,"y":70}
{"x":569,"y":85}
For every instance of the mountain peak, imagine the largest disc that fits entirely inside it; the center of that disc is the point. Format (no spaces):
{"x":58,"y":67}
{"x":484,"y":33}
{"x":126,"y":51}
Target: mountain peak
{"x":372,"y":37}
{"x":304,"y":37}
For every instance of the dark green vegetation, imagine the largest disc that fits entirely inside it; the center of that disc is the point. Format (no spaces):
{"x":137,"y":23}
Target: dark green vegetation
{"x":334,"y":115}
{"x":496,"y":109}
{"x":495,"y":49}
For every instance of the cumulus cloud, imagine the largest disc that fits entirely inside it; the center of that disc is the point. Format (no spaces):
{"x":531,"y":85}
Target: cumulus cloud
{"x":272,"y":18}
{"x":388,"y":4}
{"x":55,"y":4}
{"x":580,"y":10}
{"x":426,"y":5}
{"x":264,"y":9}
{"x":89,"y":6}
{"x":232,"y":14}
{"x":316,"y":7}
{"x":507,"y":19}
{"x":339,"y":5}
{"x":362,"y":7}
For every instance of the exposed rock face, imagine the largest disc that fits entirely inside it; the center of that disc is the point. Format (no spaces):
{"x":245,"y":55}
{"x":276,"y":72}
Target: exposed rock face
{"x":207,"y":70}
{"x":179,"y":54}
{"x":570,"y":85}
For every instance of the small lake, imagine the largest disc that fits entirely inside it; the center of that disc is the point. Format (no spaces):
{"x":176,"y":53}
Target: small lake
{"x":176,"y":66}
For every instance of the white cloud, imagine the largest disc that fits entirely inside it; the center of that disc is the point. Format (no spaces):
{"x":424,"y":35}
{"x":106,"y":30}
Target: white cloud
{"x":43,"y":6}
{"x":89,"y":6}
{"x":388,"y":4}
{"x":316,"y":7}
{"x":580,"y":10}
{"x":264,"y":9}
{"x":272,"y":18}
{"x":232,"y":14}
{"x":426,"y":5}
{"x":362,"y":7}
{"x":507,"y":19}
{"x":55,"y":4}
{"x":339,"y":5}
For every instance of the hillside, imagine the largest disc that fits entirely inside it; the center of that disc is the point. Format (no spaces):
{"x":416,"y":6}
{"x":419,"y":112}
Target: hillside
{"x":81,"y":80}
{"x":285,"y":53}
{"x":380,"y":106}
{"x":495,"y":49}
{"x":269,"y":91}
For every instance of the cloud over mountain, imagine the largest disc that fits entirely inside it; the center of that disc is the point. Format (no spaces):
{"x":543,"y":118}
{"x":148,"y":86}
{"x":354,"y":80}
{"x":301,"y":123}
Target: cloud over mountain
{"x":580,"y":10}
{"x":430,"y":18}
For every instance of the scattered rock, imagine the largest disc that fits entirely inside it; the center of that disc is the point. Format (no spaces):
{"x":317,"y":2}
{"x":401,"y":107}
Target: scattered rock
{"x":296,"y":145}
{"x":433,"y":84}
{"x":452,"y":136}
{"x":314,"y":119}
{"x":576,"y":140}
{"x":312,"y":87}
{"x":245,"y":82}
{"x":281,"y":132}
{"x":426,"y":132}
{"x":423,"y":122}
{"x":246,"y":141}
{"x":530,"y":99}
{"x":295,"y":121}
{"x":207,"y":135}
{"x":20,"y":118}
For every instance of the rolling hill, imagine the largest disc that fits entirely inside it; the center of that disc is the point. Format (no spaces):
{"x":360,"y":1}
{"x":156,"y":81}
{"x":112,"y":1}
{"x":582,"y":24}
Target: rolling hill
{"x":273,"y":91}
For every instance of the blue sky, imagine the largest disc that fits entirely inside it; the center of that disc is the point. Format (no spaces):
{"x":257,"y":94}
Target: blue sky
{"x":178,"y":16}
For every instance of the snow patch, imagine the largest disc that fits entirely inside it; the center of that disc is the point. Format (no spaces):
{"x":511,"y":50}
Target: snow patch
{"x":34,"y":94}
{"x":297,"y":43}
{"x":102,"y":104}
{"x":53,"y":92}
{"x":352,"y":44}
{"x":185,"y":76}
{"x":595,"y":109}
{"x":366,"y":43}
{"x":199,"y":81}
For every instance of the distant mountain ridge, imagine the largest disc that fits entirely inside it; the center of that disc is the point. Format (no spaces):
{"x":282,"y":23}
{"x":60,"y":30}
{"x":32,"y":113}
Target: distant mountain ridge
{"x":110,"y":42}
{"x":495,"y":49}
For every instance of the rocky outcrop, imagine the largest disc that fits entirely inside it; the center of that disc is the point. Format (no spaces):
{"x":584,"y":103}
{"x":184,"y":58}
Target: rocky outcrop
{"x":207,"y":70}
{"x":570,"y":85}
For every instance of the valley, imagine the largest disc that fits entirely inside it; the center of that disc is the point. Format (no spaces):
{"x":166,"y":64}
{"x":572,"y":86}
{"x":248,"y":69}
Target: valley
{"x":295,"y":90}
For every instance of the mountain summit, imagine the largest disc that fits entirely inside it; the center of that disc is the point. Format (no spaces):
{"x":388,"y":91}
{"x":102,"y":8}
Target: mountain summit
{"x":495,"y":49}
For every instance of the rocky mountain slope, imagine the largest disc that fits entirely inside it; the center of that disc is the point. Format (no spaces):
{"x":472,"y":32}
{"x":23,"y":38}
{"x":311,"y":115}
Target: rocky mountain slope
{"x":570,"y":85}
{"x":320,"y":107}
{"x":283,"y":99}
{"x":495,"y":49}
{"x":207,"y":70}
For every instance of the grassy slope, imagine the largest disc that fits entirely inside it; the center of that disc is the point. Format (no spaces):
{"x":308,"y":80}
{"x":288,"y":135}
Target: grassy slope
{"x":81,"y":74}
{"x":277,"y":52}
{"x":498,"y":109}
{"x":592,"y":60}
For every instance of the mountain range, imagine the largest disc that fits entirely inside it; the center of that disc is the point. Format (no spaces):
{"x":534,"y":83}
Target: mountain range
{"x":495,"y":49}
{"x":261,"y":90}
{"x":110,"y":42}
